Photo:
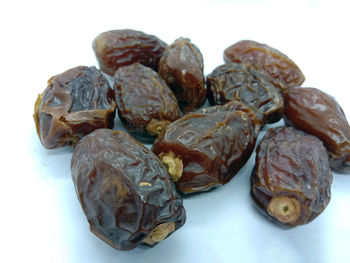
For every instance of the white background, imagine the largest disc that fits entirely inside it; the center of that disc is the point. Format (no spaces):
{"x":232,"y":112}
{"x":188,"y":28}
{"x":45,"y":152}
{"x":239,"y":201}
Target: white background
{"x":41,"y":219}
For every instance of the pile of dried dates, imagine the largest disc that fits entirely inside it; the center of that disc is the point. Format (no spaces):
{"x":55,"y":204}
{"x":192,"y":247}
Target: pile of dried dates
{"x":129,"y":192}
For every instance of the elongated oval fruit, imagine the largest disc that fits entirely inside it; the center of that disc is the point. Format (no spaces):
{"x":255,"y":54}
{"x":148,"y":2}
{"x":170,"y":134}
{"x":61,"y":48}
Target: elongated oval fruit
{"x":146,"y":105}
{"x":319,"y":114}
{"x":117,"y":48}
{"x":202,"y":150}
{"x":291,"y":180}
{"x":280,"y":70}
{"x":236,"y":81}
{"x":74,"y":104}
{"x":125,"y":191}
{"x":182,"y":68}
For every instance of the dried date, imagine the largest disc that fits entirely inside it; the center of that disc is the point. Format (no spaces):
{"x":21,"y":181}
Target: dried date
{"x":182,"y":68}
{"x":125,"y":191}
{"x":281,"y":71}
{"x":236,"y":81}
{"x":74,"y":104}
{"x":291,"y":180}
{"x":319,"y":114}
{"x":145,"y":102}
{"x":202,"y":150}
{"x":117,"y":48}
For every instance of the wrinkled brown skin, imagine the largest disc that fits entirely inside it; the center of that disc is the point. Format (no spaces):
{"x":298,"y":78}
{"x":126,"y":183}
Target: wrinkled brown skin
{"x":319,"y":114}
{"x":142,"y":96}
{"x":213,"y":147}
{"x":280,"y":70}
{"x":182,"y":68}
{"x":294,"y":165}
{"x":124,"y":189}
{"x":117,"y":48}
{"x":74,"y":104}
{"x":235,"y":105}
{"x":236,"y":81}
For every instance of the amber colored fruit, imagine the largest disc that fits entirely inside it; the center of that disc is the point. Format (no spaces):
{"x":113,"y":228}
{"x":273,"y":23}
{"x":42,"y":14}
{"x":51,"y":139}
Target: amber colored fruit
{"x":74,"y":104}
{"x":281,"y":71}
{"x":319,"y":114}
{"x":202,"y":150}
{"x":117,"y":48}
{"x":125,"y":191}
{"x":236,"y":81}
{"x":182,"y":68}
{"x":145,"y":102}
{"x":291,"y":180}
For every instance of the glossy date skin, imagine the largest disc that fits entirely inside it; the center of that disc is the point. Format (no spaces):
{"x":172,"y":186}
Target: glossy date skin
{"x":117,"y":48}
{"x":280,"y":70}
{"x":291,"y":180}
{"x":145,"y":102}
{"x":319,"y":114}
{"x":125,"y":191}
{"x":236,"y":81}
{"x":181,"y":66}
{"x":235,"y":105}
{"x":202,"y":150}
{"x":74,"y":104}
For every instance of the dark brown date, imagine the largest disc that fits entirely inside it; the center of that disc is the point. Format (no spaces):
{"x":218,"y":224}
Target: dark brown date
{"x":236,"y":81}
{"x":125,"y":191}
{"x":117,"y":48}
{"x":182,"y":68}
{"x":319,"y":114}
{"x":74,"y":104}
{"x":235,"y":105}
{"x":291,"y":180}
{"x":145,"y":102}
{"x":205,"y":150}
{"x":281,"y":71}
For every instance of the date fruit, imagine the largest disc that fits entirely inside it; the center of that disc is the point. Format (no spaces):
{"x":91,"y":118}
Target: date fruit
{"x":182,"y":68}
{"x":125,"y":191}
{"x":74,"y":104}
{"x":236,"y":81}
{"x":145,"y":102}
{"x":117,"y":48}
{"x":319,"y":114}
{"x":291,"y":180}
{"x":202,"y":150}
{"x":281,"y":71}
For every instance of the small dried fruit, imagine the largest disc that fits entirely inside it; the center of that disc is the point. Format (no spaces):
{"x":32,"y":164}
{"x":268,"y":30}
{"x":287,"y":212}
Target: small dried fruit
{"x":291,"y":180}
{"x":319,"y":114}
{"x":182,"y":68}
{"x":146,"y":105}
{"x":234,"y":81}
{"x":125,"y":191}
{"x":117,"y":48}
{"x":74,"y":104}
{"x":202,"y":150}
{"x":281,"y":71}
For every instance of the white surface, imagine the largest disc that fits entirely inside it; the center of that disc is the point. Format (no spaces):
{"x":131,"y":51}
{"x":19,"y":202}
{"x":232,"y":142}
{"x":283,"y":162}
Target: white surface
{"x":41,"y":219}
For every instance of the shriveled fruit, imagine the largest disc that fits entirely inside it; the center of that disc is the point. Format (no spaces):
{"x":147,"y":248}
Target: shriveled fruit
{"x":117,"y":48}
{"x":281,"y":71}
{"x":202,"y":150}
{"x":182,"y":68}
{"x":74,"y":104}
{"x":125,"y":191}
{"x":291,"y":180}
{"x":146,"y":105}
{"x":236,"y":81}
{"x":319,"y":114}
